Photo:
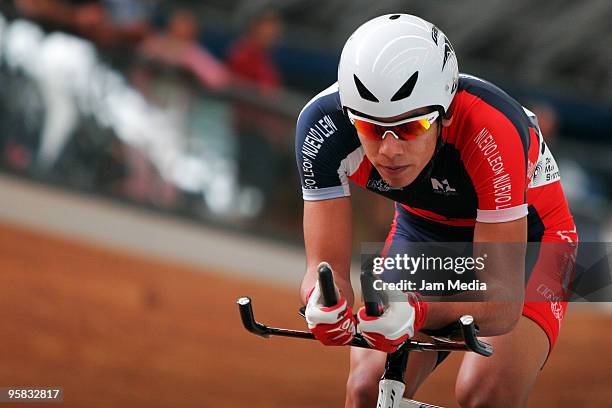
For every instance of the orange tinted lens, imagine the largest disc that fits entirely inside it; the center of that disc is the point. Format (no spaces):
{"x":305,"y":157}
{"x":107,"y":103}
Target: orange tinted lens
{"x":367,"y":129}
{"x":412,"y":129}
{"x":405,"y":131}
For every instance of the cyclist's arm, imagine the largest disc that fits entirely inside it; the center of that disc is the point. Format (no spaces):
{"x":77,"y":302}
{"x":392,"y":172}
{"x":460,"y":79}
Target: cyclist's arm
{"x":496,"y":157}
{"x":504,"y":272}
{"x":328,"y":237}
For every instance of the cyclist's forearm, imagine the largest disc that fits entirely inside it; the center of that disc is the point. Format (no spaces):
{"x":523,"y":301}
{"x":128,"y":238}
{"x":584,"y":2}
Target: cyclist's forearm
{"x":492,"y":318}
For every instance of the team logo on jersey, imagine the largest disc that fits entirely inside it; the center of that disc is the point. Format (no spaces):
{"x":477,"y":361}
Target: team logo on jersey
{"x":380,"y":185}
{"x":546,"y":170}
{"x":442,"y":187}
{"x":537,"y":170}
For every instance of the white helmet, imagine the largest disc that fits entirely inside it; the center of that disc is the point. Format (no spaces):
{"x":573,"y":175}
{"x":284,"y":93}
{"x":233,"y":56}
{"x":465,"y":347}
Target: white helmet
{"x":396,"y":63}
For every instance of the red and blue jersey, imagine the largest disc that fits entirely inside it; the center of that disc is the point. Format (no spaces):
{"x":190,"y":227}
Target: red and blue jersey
{"x":491,"y":165}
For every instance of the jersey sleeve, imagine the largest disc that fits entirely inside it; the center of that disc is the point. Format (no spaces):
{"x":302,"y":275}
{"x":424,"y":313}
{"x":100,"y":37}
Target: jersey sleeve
{"x":495,"y":157}
{"x":323,"y":145}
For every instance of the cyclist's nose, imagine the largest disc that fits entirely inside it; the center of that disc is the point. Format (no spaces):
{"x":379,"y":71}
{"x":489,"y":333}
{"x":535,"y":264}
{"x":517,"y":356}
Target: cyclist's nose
{"x":390,"y":145}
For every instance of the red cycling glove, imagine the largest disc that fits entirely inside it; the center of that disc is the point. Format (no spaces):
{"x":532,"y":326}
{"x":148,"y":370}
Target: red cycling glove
{"x":332,"y":326}
{"x":399,"y":322}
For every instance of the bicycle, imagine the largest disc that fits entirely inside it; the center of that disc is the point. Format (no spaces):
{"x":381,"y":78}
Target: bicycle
{"x":391,"y":385}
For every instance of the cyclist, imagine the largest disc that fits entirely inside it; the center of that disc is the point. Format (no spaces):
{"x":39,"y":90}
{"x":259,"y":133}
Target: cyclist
{"x":463,"y":161}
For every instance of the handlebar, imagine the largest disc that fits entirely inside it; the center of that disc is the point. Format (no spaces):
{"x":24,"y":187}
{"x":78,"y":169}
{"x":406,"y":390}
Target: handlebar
{"x":373,"y":303}
{"x":249,"y":323}
{"x":471,"y":340}
{"x":467,"y":326}
{"x":326,"y":284}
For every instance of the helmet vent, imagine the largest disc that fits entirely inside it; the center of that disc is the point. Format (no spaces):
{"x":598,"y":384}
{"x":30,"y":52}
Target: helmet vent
{"x":406,"y":89}
{"x":394,"y":17}
{"x":448,"y":51}
{"x":363,"y":91}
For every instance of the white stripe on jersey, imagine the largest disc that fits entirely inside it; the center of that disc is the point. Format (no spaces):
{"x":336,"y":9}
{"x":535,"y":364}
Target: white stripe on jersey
{"x":503,"y":215}
{"x":349,"y":165}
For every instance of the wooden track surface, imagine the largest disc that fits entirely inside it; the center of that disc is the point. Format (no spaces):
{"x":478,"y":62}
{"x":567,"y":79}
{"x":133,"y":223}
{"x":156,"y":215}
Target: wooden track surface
{"x":119,"y":331}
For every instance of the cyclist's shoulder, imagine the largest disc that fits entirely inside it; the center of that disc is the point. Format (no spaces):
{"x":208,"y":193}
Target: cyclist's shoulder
{"x":322,"y":124}
{"x":472,"y":82}
{"x":480,"y":95}
{"x":327,"y":148}
{"x":481,"y":104}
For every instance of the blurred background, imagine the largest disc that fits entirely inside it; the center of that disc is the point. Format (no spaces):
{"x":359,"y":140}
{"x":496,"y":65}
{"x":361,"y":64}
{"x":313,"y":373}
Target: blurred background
{"x":147,"y":179}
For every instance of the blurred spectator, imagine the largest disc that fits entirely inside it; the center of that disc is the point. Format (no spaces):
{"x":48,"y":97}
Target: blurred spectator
{"x":250,"y":57}
{"x":178,"y":47}
{"x":109,"y":23}
{"x":250,"y":61}
{"x":262,"y":137}
{"x":548,"y":121}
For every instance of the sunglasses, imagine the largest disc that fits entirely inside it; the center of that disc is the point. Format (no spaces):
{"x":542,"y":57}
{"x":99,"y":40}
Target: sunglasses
{"x":404,"y":129}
